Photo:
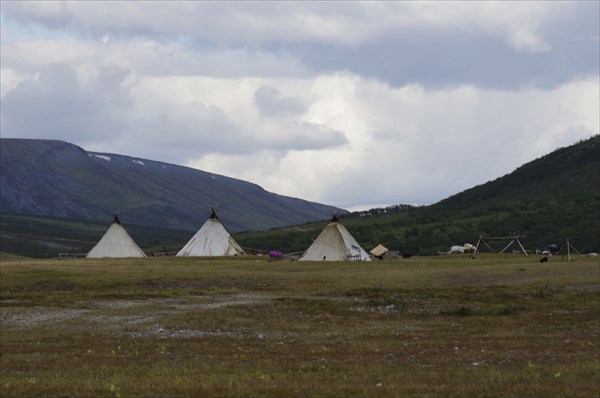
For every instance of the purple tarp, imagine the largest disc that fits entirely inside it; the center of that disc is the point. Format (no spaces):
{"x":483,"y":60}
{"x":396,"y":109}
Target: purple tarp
{"x":275,"y":254}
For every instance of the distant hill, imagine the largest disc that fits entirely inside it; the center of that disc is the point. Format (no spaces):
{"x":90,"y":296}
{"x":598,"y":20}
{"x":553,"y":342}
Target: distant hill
{"x":546,"y":201}
{"x":570,"y":172}
{"x":58,"y":179}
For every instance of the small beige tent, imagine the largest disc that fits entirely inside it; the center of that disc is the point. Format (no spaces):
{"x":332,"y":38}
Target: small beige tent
{"x":379,"y":250}
{"x":335,"y":243}
{"x":211,"y":240}
{"x":116,"y":243}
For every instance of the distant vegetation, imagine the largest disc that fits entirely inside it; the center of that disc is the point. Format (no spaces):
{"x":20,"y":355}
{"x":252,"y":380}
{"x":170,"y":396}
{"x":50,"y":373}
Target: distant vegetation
{"x":545,"y":201}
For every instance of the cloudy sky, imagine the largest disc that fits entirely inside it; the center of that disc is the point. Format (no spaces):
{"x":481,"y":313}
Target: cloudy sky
{"x":346,"y":103}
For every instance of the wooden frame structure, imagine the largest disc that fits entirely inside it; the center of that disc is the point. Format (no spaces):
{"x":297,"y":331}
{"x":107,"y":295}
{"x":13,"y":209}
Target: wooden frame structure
{"x":568,"y":247}
{"x":513,"y":239}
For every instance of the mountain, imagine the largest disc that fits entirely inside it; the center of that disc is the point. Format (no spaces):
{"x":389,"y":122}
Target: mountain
{"x":545,"y":201}
{"x":58,"y":179}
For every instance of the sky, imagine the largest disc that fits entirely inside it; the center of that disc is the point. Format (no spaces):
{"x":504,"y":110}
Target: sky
{"x":352,"y":104}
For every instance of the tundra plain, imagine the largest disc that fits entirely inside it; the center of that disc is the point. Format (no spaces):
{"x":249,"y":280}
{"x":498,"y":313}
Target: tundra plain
{"x":493,"y":325}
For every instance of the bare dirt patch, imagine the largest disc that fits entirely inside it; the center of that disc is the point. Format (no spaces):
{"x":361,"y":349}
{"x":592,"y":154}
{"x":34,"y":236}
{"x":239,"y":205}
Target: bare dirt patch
{"x":113,"y":316}
{"x":27,"y":317}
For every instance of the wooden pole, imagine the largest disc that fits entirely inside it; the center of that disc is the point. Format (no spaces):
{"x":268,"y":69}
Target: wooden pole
{"x":507,"y":246}
{"x":477,"y":245}
{"x":575,"y":250}
{"x":522,"y":248}
{"x":489,"y":247}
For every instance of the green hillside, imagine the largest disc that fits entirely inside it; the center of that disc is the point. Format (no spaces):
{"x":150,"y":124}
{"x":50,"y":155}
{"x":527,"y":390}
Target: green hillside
{"x":545,"y":201}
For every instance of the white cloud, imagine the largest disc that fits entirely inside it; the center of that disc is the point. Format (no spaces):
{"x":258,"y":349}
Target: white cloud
{"x":10,"y":79}
{"x":410,"y":145}
{"x":527,"y":41}
{"x":521,"y":24}
{"x":32,"y":56}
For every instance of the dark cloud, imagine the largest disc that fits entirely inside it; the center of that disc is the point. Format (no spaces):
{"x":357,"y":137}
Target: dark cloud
{"x":300,"y":136}
{"x":183,"y":132}
{"x":395,"y":42}
{"x":271,"y":102}
{"x":437,"y":59}
{"x":57,"y":105}
{"x":53,"y":15}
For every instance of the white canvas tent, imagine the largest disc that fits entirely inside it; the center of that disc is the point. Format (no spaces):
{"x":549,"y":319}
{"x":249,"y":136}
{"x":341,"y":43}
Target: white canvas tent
{"x":211,"y":240}
{"x":116,"y":243}
{"x":335,"y":243}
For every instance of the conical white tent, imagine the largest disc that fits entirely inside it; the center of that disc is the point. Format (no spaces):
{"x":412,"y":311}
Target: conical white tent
{"x":211,"y":240}
{"x":335,"y":243}
{"x":116,"y":243}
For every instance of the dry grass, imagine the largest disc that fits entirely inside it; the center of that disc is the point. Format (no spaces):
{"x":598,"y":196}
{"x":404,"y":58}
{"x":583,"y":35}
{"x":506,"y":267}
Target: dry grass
{"x":423,"y":327}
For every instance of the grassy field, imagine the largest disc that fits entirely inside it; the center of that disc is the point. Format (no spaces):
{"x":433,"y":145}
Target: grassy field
{"x":496,"y":325}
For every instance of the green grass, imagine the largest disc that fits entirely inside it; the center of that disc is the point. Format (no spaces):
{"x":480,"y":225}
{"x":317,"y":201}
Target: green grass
{"x":10,"y":256}
{"x":178,"y":327}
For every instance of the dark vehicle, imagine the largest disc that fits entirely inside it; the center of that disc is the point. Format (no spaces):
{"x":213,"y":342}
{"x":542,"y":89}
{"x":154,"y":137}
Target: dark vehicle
{"x":552,"y":249}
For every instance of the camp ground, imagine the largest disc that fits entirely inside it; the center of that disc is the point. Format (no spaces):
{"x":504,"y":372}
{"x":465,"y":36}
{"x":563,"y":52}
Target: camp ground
{"x":334,"y":243}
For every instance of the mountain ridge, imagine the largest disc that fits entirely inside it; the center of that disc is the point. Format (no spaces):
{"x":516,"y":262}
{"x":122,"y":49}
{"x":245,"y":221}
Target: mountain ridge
{"x":60,"y":179}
